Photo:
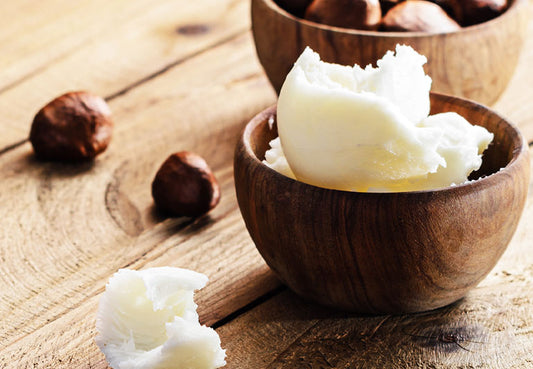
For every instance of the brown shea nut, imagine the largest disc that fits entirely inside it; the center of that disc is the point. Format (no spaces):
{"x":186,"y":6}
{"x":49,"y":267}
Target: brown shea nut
{"x":355,"y":14}
{"x":74,"y":127}
{"x":185,"y":186}
{"x":418,"y":16}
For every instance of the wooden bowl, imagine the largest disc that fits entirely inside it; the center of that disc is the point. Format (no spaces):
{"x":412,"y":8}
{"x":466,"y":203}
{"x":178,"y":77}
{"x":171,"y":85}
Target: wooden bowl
{"x":475,"y":62}
{"x":384,"y":252}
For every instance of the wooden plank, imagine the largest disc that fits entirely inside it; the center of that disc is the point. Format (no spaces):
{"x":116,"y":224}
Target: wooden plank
{"x":30,"y":40}
{"x":36,"y":33}
{"x":217,"y":246}
{"x":67,"y":228}
{"x":486,"y":330}
{"x":100,"y":46}
{"x":492,"y":327}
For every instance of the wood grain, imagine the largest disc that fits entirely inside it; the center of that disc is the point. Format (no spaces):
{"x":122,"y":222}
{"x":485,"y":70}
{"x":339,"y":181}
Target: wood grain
{"x":476,"y":62}
{"x":487,"y":329}
{"x":67,"y":340}
{"x":384,"y":252}
{"x":103,"y":47}
{"x":68,"y":228}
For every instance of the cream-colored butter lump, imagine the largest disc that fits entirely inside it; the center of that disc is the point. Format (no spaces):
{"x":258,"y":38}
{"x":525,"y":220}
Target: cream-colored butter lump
{"x":357,"y":129}
{"x":147,"y":320}
{"x":275,"y":159}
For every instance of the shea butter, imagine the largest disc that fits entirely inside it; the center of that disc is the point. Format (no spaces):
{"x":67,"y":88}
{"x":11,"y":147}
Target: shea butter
{"x":355,"y":129}
{"x":147,"y":320}
{"x":275,"y":159}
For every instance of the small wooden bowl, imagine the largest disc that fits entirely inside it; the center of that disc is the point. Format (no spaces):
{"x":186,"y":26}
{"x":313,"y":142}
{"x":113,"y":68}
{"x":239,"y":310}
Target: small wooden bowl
{"x":384,"y":252}
{"x":475,"y":62}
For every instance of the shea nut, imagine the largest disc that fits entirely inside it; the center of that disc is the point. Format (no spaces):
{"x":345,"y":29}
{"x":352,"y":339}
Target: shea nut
{"x":76,"y":126}
{"x":356,"y":14}
{"x":418,"y":16}
{"x":185,"y":186}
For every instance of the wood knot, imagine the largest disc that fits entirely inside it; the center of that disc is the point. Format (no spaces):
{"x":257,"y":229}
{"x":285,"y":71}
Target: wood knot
{"x":192,"y":29}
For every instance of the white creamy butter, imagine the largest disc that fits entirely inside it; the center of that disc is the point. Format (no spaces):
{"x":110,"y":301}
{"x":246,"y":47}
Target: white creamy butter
{"x":147,"y":320}
{"x":275,"y":159}
{"x":368,"y":129}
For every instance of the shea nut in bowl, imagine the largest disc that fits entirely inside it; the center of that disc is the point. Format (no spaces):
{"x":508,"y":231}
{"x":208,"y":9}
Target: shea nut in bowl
{"x":474,"y":62}
{"x":392,"y":252}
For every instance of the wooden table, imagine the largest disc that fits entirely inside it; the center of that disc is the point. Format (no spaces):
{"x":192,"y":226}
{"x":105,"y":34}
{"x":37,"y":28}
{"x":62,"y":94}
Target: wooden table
{"x":183,"y":75}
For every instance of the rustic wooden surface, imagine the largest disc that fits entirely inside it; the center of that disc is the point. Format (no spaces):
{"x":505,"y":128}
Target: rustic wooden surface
{"x":184,"y":75}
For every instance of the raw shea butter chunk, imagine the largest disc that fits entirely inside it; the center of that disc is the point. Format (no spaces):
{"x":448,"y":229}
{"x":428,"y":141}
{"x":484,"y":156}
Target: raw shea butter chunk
{"x":355,"y":129}
{"x":147,"y":320}
{"x":276,"y":160}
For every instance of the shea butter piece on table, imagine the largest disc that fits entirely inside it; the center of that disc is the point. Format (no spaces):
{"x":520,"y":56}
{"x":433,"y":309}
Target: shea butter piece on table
{"x":147,"y":320}
{"x":355,"y":129}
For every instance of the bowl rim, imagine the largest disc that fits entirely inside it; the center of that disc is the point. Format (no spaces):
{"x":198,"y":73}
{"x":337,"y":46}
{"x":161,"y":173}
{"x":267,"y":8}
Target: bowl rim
{"x":512,"y":8}
{"x":521,"y":149}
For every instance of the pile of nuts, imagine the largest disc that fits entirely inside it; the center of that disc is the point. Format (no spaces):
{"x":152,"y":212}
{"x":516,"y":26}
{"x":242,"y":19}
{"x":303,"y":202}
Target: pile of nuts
{"x":434,"y":16}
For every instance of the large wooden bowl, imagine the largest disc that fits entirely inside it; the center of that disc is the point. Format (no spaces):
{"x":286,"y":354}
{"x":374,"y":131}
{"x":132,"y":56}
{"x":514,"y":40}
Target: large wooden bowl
{"x":475,"y":62}
{"x":384,"y":252}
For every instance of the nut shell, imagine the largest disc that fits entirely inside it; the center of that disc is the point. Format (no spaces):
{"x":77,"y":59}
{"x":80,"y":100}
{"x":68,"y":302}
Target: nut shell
{"x":185,"y":186}
{"x":76,"y":126}
{"x":356,"y":14}
{"x":418,"y":16}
